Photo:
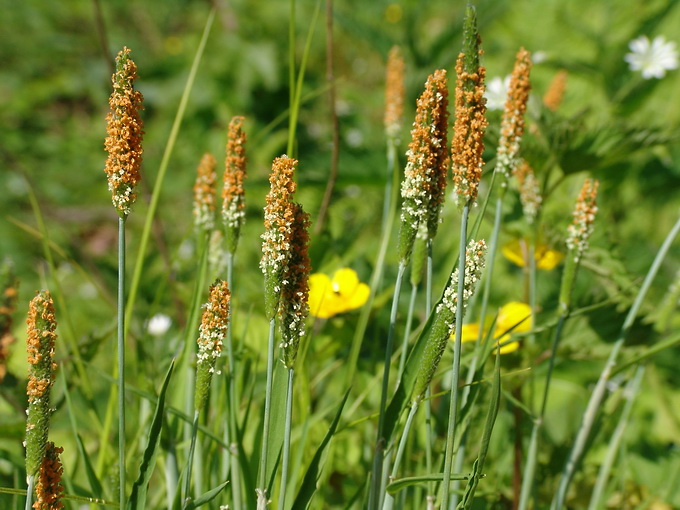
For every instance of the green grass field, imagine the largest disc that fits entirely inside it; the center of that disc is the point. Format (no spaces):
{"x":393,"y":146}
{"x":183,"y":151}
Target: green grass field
{"x":391,"y":391}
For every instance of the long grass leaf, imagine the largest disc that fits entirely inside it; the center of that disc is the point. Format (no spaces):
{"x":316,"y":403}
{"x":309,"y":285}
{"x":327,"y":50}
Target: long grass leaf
{"x":403,"y":483}
{"x":206,"y":497}
{"x":138,"y":496}
{"x":308,"y":488}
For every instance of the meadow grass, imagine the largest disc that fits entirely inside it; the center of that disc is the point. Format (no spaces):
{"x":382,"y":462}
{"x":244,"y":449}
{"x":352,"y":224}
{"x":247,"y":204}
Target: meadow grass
{"x":274,"y":361}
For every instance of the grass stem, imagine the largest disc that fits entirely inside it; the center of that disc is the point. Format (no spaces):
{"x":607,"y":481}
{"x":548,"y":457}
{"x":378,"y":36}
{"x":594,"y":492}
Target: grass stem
{"x":121,"y":358}
{"x":262,"y":485}
{"x":286,"y":440}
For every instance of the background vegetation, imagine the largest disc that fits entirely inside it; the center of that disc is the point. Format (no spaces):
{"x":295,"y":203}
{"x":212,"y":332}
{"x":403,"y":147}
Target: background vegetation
{"x":55,"y":68}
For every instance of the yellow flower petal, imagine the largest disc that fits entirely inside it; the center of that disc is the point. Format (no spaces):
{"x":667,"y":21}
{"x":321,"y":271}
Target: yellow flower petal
{"x":330,"y":297}
{"x":470,"y":332}
{"x":548,"y":259}
{"x":508,"y":348}
{"x":517,"y":252}
{"x":514,"y":315}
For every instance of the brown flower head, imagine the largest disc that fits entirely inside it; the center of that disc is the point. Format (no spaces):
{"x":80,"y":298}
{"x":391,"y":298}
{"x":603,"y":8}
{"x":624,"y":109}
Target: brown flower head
{"x":204,"y":194}
{"x":278,"y":218}
{"x":233,"y":195}
{"x":529,"y":190}
{"x":424,"y":183}
{"x":8,"y":298}
{"x":581,"y":228}
{"x":467,"y":145}
{"x":295,"y":287}
{"x":49,"y":490}
{"x":212,"y":331}
{"x":125,"y":130}
{"x":555,"y":93}
{"x":512,"y":123}
{"x":40,"y":348}
{"x":394,"y":93}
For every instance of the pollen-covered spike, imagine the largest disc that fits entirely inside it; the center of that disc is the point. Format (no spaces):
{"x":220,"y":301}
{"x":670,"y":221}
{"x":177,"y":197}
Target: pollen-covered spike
{"x":40,"y":338}
{"x":124,"y":135}
{"x":212,"y":332}
{"x":233,"y":193}
{"x":394,"y":93}
{"x":467,"y":145}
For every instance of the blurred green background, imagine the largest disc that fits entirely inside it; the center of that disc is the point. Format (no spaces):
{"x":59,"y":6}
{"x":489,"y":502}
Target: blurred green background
{"x":55,"y":69}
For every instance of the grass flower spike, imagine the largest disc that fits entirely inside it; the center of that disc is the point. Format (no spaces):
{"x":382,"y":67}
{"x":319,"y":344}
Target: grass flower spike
{"x":340,"y":294}
{"x":467,"y":145}
{"x":578,"y":236}
{"x":424,"y":182}
{"x":445,"y":318}
{"x":212,"y":332}
{"x":8,"y":297}
{"x":512,"y":123}
{"x":49,"y":489}
{"x":125,"y":130}
{"x":552,"y":99}
{"x":295,"y":292}
{"x":278,"y":219}
{"x":233,"y":195}
{"x":204,"y":194}
{"x":580,"y":230}
{"x":394,"y":93}
{"x":529,"y":191}
{"x":40,"y":347}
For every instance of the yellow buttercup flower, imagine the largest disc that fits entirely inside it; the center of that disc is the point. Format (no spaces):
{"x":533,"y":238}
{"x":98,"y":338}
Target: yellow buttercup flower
{"x":546,"y":258}
{"x":513,"y":316}
{"x":342,"y":293}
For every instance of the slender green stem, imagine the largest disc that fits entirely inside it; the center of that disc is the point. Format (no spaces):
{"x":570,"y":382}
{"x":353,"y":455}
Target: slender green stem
{"x":598,"y":394}
{"x":429,"y":436}
{"x":169,"y":148}
{"x":615,"y":441}
{"x":267,"y":411}
{"x":530,"y":464}
{"x":388,"y":502}
{"x":292,"y":119}
{"x":455,"y":371}
{"x":190,"y":461}
{"x":121,"y":357}
{"x":390,"y":178}
{"x":286,"y":440}
{"x":376,"y":480}
{"x":29,"y":492}
{"x":231,"y":432}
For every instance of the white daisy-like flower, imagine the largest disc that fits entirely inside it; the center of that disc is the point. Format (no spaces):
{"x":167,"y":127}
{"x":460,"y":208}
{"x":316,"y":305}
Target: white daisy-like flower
{"x":653,"y":58}
{"x":497,"y":93}
{"x":159,"y":324}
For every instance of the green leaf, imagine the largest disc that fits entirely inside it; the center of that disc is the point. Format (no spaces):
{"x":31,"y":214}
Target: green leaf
{"x":276,"y":424}
{"x":206,"y":497}
{"x":139,"y":488}
{"x":410,"y":481}
{"x":308,"y":487}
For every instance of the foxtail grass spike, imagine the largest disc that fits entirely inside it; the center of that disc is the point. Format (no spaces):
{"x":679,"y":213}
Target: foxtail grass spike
{"x":212,"y":332}
{"x":41,"y":368}
{"x":553,"y":97}
{"x":278,"y":218}
{"x":48,"y":489}
{"x":445,"y":315}
{"x":467,"y":145}
{"x":295,"y":288}
{"x":578,"y":236}
{"x":529,"y":191}
{"x":394,"y":94}
{"x":124,"y":135}
{"x":424,"y":183}
{"x":512,"y":123}
{"x":233,"y":194}
{"x":204,"y":194}
{"x":9,"y":285}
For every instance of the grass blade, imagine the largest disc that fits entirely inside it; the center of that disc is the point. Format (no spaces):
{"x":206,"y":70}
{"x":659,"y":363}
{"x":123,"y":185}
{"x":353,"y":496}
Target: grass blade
{"x":308,"y":488}
{"x":139,"y":488}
